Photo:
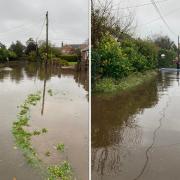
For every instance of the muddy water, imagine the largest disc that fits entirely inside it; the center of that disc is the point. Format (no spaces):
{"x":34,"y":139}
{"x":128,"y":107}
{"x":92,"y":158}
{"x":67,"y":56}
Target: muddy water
{"x":136,"y":134}
{"x":65,"y":115}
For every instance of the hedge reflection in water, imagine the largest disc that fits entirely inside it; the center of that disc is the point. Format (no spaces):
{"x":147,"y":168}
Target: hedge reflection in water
{"x":114,"y":127}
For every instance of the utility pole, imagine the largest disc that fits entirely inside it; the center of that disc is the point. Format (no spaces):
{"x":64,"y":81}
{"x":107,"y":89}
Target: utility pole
{"x":45,"y":71}
{"x":178,"y":55}
{"x":47,"y":49}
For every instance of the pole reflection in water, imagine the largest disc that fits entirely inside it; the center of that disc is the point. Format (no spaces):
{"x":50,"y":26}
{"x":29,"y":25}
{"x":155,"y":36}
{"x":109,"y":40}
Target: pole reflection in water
{"x":44,"y":88}
{"x":177,"y":77}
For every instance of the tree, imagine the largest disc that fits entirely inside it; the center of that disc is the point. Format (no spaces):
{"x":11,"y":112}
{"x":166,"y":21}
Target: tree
{"x":167,"y":47}
{"x":18,"y":48}
{"x":2,"y":45}
{"x":30,"y":46}
{"x":164,"y":42}
{"x":6,"y":54}
{"x":105,"y":21}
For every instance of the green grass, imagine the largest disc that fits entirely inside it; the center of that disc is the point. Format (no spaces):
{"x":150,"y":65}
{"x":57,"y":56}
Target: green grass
{"x":63,"y":172}
{"x":72,"y":63}
{"x":109,"y":85}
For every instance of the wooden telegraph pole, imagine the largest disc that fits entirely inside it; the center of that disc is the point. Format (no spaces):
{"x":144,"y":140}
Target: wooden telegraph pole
{"x":45,"y":72}
{"x":178,"y":60}
{"x":47,"y":49}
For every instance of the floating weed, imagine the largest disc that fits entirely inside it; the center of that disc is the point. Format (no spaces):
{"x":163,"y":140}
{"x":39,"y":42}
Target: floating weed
{"x":23,"y":137}
{"x":60,"y":147}
{"x":63,"y":171}
{"x":33,"y":99}
{"x":44,"y":130}
{"x":36,"y":133}
{"x":23,"y":142}
{"x":50,"y":92}
{"x":47,"y":153}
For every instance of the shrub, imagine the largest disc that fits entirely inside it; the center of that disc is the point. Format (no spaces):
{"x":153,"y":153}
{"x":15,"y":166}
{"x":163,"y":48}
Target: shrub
{"x":111,"y":60}
{"x":12,"y":55}
{"x":167,"y":61}
{"x":32,"y":56}
{"x":70,"y":58}
{"x":3,"y":54}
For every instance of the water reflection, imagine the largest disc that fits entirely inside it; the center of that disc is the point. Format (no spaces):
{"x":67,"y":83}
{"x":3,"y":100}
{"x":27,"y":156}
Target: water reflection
{"x":64,"y":114}
{"x":44,"y":89}
{"x":38,"y":71}
{"x":113,"y":126}
{"x":119,"y":137}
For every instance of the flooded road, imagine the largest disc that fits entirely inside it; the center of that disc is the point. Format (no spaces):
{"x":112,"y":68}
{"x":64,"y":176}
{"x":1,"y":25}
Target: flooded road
{"x":64,"y":113}
{"x":136,"y":134}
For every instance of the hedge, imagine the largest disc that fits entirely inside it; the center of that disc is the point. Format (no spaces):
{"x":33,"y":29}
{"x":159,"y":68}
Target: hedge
{"x":70,"y":58}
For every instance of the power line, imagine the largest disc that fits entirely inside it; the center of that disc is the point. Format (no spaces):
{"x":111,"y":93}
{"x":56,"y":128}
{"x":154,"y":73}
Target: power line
{"x":162,"y":18}
{"x":41,"y":30}
{"x":17,"y":28}
{"x":136,"y":6}
{"x":156,"y":19}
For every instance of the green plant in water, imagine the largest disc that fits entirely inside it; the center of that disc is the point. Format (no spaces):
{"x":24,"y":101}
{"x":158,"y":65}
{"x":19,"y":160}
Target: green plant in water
{"x":63,"y":171}
{"x":36,"y":133}
{"x":23,"y":141}
{"x":50,"y":92}
{"x":23,"y":137}
{"x":44,"y":130}
{"x":47,"y":153}
{"x":60,"y":147}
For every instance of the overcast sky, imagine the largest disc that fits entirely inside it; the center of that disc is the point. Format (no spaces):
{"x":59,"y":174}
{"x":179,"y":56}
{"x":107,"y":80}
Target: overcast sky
{"x":147,"y":19}
{"x":21,"y":19}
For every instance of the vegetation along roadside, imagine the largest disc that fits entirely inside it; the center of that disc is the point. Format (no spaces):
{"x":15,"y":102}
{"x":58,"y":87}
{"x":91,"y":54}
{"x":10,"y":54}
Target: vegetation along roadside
{"x":120,"y":59}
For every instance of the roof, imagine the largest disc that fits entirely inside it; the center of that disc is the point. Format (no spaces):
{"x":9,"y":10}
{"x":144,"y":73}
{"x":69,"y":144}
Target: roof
{"x":85,"y":49}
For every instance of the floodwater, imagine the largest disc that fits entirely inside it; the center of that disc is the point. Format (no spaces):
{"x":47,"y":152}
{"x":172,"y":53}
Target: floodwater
{"x":136,"y":134}
{"x":64,"y":115}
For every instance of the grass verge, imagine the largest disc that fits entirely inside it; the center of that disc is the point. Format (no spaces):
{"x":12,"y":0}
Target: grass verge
{"x":109,"y":85}
{"x":72,"y":63}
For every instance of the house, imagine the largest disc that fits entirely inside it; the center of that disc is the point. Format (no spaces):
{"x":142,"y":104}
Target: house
{"x":85,"y":55}
{"x":72,"y":48}
{"x":84,"y":63}
{"x":67,"y":49}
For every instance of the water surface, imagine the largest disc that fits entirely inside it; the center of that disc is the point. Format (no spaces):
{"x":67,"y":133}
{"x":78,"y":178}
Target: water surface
{"x":136,"y":134}
{"x":65,"y":115}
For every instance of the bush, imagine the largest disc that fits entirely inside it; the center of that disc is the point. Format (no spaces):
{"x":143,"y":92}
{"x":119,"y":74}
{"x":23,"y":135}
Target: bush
{"x":70,"y":58}
{"x":167,"y":61}
{"x":149,"y":50}
{"x":60,"y":61}
{"x":110,"y":59}
{"x":64,"y":62}
{"x":12,"y":55}
{"x":32,"y":56}
{"x":141,"y":54}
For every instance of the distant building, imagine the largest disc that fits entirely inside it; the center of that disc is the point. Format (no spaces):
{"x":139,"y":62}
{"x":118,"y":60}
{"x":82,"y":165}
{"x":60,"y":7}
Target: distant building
{"x":85,"y":56}
{"x":67,"y":49}
{"x":72,"y":48}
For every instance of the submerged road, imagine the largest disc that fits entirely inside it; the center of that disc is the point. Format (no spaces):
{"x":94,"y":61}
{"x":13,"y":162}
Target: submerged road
{"x":136,"y":134}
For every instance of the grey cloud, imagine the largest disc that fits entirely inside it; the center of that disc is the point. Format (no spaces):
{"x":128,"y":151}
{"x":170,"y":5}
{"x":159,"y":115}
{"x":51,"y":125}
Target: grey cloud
{"x":21,"y":19}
